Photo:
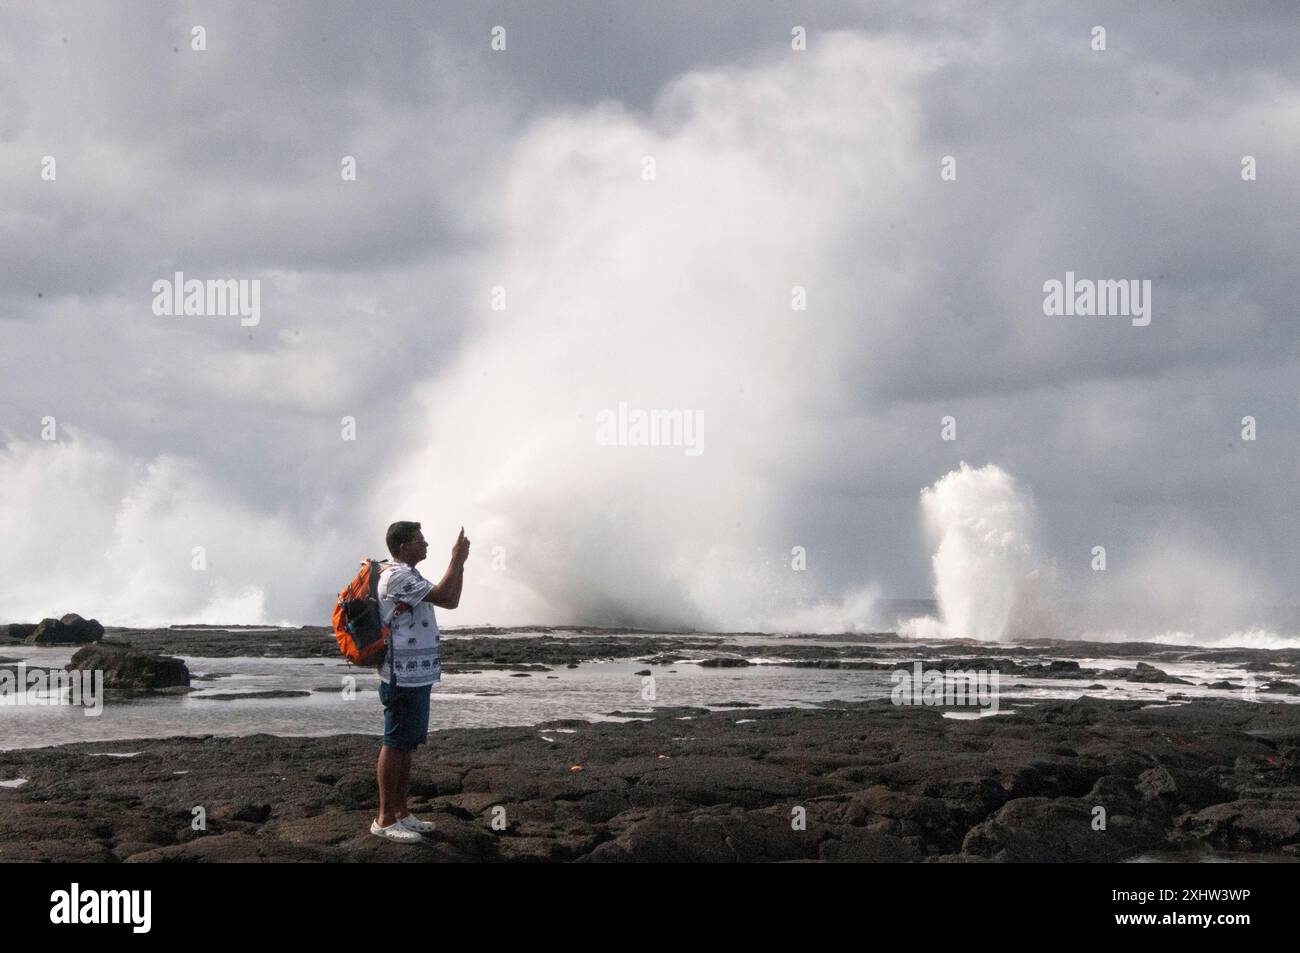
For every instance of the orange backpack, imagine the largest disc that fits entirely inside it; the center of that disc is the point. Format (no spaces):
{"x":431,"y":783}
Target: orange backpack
{"x":361,"y":633}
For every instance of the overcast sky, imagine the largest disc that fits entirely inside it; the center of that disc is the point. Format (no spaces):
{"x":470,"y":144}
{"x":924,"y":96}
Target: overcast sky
{"x":525,"y":169}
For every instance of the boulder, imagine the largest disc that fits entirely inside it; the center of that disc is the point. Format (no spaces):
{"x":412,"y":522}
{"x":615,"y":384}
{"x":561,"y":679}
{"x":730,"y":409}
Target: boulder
{"x":1041,"y":830}
{"x":129,"y":669}
{"x":72,"y":629}
{"x":1249,"y":824}
{"x":21,"y":630}
{"x":1148,"y":673}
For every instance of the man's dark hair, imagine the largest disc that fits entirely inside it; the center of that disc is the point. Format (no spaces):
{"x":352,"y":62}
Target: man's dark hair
{"x":403,"y":531}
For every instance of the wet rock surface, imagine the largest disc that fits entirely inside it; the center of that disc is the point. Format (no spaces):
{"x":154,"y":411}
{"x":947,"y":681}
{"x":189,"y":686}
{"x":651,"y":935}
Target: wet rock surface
{"x":468,"y":649}
{"x":127,"y":669}
{"x":463,"y":649}
{"x":840,"y":782}
{"x":72,"y":629}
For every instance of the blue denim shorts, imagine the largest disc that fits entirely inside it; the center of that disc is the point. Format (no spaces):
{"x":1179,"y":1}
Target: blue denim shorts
{"x":406,"y":715}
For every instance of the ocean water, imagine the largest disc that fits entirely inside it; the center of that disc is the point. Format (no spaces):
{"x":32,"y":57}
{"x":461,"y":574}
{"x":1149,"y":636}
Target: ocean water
{"x":494,"y":698}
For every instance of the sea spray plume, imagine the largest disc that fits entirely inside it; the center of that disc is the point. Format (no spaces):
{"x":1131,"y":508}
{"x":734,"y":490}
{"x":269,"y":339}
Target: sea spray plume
{"x":856,"y":612}
{"x":986,"y":579}
{"x":145,"y":543}
{"x":660,"y":297}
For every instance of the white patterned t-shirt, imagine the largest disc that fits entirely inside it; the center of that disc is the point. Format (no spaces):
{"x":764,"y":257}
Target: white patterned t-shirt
{"x":413,"y":633}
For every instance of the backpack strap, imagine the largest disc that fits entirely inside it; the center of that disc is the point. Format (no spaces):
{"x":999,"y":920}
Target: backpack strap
{"x":375,"y":571}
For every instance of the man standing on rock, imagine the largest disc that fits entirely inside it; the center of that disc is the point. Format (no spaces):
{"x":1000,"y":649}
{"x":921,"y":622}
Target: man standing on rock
{"x":410,"y":669}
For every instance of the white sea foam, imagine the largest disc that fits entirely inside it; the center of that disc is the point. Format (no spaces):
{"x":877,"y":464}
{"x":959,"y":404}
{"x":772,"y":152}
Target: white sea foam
{"x":1243,"y":639}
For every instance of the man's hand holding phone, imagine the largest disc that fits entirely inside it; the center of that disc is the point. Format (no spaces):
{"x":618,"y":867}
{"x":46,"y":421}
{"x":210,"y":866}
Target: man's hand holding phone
{"x":460,"y":551}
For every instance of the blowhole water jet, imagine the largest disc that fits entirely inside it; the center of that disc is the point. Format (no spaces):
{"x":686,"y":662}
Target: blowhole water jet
{"x":986,"y":577}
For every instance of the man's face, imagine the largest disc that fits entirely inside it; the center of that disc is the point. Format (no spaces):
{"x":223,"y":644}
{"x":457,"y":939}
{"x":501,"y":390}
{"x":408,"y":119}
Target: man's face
{"x":415,"y":549}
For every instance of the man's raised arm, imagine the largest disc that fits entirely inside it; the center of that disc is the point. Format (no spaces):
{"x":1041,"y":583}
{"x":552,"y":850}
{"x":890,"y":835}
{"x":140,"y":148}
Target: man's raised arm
{"x":446,"y":594}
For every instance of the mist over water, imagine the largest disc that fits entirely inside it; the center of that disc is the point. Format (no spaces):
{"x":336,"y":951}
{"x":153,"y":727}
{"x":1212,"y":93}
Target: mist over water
{"x":993,"y":581}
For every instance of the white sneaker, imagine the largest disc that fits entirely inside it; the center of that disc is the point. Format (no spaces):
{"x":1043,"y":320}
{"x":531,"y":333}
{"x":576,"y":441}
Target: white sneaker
{"x":397,"y":832}
{"x":413,"y":823}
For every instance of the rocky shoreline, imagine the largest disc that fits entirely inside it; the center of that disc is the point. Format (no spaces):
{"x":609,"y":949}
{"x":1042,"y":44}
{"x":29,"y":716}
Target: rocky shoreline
{"x":532,"y":649}
{"x":873,"y":781}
